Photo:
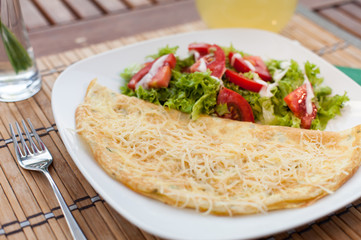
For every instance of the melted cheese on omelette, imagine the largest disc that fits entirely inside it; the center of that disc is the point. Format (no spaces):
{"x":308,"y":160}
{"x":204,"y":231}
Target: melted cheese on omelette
{"x":214,"y":165}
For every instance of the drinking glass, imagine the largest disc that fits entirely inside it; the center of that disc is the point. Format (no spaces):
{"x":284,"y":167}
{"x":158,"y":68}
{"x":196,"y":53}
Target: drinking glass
{"x":271,"y":15}
{"x":19,"y":76}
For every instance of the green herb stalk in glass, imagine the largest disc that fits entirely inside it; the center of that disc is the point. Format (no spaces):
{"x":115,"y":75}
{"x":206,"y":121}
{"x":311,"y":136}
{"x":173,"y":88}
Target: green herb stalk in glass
{"x":17,"y":54}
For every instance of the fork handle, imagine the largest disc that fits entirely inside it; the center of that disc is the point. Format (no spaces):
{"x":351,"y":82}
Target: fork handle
{"x":75,"y":230}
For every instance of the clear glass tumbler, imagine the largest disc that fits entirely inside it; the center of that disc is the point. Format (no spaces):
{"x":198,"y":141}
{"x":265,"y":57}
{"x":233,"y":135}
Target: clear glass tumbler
{"x":19,"y":76}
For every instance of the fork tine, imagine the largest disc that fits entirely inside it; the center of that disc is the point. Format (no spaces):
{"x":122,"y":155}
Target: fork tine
{"x":18,"y":151}
{"x":30,"y":139}
{"x":35,"y":134}
{"x":23,"y":143}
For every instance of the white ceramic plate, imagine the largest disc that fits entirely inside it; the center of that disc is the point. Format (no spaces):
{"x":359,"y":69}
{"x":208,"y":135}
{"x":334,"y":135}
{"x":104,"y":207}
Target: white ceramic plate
{"x":170,"y":222}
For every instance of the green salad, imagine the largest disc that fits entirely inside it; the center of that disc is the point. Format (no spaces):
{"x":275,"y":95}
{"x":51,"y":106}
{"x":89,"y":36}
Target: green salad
{"x":228,"y":83}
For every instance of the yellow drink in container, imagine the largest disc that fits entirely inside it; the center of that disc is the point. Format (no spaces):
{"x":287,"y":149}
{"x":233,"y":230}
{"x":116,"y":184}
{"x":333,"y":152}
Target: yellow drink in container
{"x":271,"y":15}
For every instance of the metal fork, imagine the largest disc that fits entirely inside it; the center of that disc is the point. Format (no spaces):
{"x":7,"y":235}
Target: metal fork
{"x":38,"y":158}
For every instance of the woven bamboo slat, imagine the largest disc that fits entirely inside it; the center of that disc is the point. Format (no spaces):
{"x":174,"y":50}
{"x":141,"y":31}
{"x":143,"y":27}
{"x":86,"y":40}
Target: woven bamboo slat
{"x":30,"y":210}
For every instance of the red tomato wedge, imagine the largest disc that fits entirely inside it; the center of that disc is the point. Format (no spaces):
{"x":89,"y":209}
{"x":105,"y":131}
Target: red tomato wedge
{"x":139,"y":75}
{"x":201,"y":48}
{"x":215,"y":59}
{"x":241,"y":66}
{"x":296,"y":101}
{"x":238,"y":107}
{"x":260,"y":66}
{"x":161,"y":78}
{"x":242,"y":81}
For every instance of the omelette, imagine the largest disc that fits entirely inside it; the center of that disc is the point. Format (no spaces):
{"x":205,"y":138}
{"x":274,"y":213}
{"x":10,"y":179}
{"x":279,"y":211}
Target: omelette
{"x":211,"y":164}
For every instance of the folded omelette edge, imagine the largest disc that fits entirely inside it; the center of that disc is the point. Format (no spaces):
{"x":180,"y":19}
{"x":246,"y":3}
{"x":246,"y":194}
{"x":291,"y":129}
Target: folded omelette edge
{"x":211,"y":164}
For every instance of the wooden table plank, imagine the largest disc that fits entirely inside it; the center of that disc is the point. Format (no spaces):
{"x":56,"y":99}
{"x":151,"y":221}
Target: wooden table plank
{"x":333,"y":230}
{"x":32,"y":16}
{"x":83,"y":8}
{"x":92,"y":31}
{"x":307,"y":33}
{"x":8,"y":215}
{"x":353,"y":9}
{"x":164,"y":1}
{"x":137,"y":3}
{"x":110,"y":6}
{"x":351,"y":220}
{"x":343,"y":20}
{"x":12,"y":198}
{"x":313,"y":4}
{"x":55,"y":11}
{"x":320,"y":232}
{"x":310,"y":234}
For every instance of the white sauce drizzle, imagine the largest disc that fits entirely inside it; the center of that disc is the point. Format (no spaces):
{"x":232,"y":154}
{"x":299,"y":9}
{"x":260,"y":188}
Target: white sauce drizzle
{"x":265,"y":90}
{"x":202,"y":66}
{"x":234,"y":57}
{"x":250,"y":65}
{"x":196,"y":54}
{"x":309,"y":95}
{"x":144,"y":82}
{"x":268,"y":113}
{"x":239,"y":56}
{"x":277,"y":76}
{"x":285,"y":64}
{"x":219,"y":80}
{"x":280,"y":73}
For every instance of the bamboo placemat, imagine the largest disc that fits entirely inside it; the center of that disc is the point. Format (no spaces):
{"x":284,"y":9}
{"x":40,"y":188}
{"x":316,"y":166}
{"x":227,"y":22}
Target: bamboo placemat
{"x":28,"y":208}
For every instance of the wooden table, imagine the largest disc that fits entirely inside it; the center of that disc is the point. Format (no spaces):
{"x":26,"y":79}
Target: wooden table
{"x":344,"y":13}
{"x":77,"y":23}
{"x":64,"y":32}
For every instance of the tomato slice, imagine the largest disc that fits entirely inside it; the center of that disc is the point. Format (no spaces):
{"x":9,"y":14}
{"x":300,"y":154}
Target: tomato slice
{"x":158,"y":79}
{"x":215,"y":59}
{"x":201,"y":48}
{"x":171,"y":61}
{"x":238,"y":63}
{"x":161,"y":78}
{"x":238,"y":107}
{"x":259,"y":66}
{"x":139,"y":75}
{"x":296,"y":101}
{"x":242,"y":81}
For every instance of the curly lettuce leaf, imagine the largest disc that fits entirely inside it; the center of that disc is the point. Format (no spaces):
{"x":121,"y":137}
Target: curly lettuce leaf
{"x":273,"y":65}
{"x":164,"y":51}
{"x":196,"y":93}
{"x":313,"y":72}
{"x":222,"y":109}
{"x":328,"y":108}
{"x":274,"y":110}
{"x":183,"y":64}
{"x":127,"y":74}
